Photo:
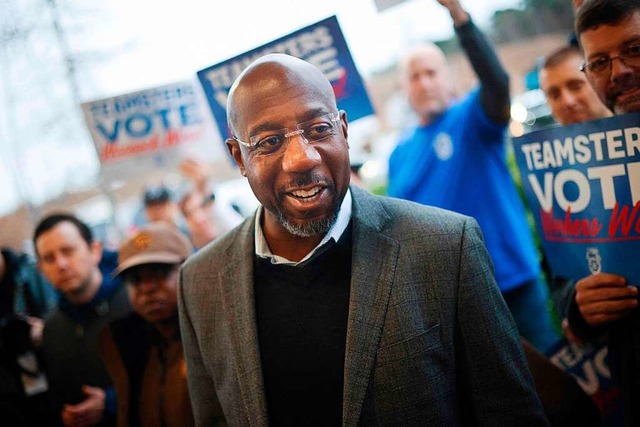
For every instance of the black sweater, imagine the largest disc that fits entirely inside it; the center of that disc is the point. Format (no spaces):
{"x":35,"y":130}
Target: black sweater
{"x":302,"y":327}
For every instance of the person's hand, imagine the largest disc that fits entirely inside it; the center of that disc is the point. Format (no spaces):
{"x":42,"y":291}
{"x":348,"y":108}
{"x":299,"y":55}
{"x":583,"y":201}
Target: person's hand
{"x":458,"y":14}
{"x":88,"y":412}
{"x":197,"y":171}
{"x":603,"y":298}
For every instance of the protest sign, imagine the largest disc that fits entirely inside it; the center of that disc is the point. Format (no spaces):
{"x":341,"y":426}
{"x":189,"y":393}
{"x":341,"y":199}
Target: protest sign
{"x":589,"y":365}
{"x":582,"y":184}
{"x":157,"y":127}
{"x":322,"y":44}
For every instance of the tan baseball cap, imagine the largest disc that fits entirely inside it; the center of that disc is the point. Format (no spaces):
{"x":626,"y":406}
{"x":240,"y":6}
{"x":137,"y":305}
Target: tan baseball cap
{"x":156,"y":243}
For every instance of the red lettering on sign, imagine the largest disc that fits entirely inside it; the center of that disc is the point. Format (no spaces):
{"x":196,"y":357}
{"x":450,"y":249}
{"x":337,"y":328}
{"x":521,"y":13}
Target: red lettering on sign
{"x":567,"y":227}
{"x":622,"y":220}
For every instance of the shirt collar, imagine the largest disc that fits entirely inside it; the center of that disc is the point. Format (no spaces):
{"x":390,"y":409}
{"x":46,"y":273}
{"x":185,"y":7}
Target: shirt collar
{"x":334,"y":233}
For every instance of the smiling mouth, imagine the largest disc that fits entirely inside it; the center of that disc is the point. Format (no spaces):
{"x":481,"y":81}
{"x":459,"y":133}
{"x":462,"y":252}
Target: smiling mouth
{"x":307,"y":194}
{"x":631,"y":98}
{"x":625,"y":102}
{"x":630,"y":91}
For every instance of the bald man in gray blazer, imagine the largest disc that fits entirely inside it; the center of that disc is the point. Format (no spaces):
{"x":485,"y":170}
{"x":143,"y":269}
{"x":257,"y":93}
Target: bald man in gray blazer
{"x":405,"y":324}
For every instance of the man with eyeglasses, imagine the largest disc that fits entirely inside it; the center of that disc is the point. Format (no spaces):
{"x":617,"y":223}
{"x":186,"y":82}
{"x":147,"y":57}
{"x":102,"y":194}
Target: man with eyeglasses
{"x":606,"y":305}
{"x":609,"y":33}
{"x":331,"y":306}
{"x":143,"y":352}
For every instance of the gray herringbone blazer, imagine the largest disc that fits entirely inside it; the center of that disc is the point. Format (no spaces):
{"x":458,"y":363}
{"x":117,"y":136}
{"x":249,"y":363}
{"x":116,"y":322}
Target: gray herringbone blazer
{"x":429,"y":340}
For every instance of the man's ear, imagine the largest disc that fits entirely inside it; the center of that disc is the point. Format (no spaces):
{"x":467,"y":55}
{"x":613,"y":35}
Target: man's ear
{"x":234,"y":149}
{"x":96,"y":250}
{"x":344,"y":126}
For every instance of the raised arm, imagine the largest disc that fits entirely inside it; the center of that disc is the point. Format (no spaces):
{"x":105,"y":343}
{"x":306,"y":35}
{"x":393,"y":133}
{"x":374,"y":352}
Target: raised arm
{"x":494,"y":80}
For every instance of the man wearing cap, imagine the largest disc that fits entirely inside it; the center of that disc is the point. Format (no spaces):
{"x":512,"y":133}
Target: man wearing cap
{"x":143,"y":352}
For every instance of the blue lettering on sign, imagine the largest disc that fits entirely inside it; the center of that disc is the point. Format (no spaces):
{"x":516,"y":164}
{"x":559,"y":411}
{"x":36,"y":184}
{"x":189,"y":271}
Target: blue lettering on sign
{"x":163,"y":116}
{"x":189,"y":115}
{"x":140,"y":125}
{"x":145,"y":122}
{"x":111,"y":136}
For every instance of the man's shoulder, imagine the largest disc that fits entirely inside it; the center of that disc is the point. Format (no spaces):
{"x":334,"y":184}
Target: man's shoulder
{"x":215,"y":252}
{"x":451,"y":117}
{"x":466,"y":103}
{"x":434,"y":217}
{"x":109,"y":259}
{"x":404,"y":213}
{"x":117,"y":299}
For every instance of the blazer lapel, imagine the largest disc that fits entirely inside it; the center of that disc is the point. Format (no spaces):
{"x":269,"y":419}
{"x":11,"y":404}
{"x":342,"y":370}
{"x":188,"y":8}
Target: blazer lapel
{"x":374,"y":259}
{"x":239,"y":306}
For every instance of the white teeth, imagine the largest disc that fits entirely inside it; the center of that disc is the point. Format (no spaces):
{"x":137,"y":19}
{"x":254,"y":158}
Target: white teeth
{"x":305,"y":194}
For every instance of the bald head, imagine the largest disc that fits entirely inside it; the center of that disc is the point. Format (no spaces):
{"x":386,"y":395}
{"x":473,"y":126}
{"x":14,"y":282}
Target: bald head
{"x":426,"y":50}
{"x":267,"y":76}
{"x":290,"y":141}
{"x":426,"y":79}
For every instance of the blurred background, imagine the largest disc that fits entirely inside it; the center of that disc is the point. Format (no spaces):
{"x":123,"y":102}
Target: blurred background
{"x":57,"y":54}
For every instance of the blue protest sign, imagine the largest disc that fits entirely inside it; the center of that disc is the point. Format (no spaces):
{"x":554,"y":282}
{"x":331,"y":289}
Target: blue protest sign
{"x":589,"y":365}
{"x":321,"y":44}
{"x":582,"y":183}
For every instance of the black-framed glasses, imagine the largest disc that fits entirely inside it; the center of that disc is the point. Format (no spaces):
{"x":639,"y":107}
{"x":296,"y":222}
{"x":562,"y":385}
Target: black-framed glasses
{"x":601,"y":65}
{"x":312,"y":131}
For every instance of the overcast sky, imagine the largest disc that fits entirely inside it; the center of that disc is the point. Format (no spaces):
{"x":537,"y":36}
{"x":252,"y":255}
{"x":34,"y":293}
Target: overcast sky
{"x":179,"y":38}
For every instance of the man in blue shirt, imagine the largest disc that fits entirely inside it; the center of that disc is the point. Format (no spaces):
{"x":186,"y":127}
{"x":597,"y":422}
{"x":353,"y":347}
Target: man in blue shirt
{"x":455,"y":159}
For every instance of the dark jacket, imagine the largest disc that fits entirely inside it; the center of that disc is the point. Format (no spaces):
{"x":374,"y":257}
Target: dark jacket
{"x":623,"y":342}
{"x":70,"y":342}
{"x":149,"y":375}
{"x":429,"y":337}
{"x":23,"y":292}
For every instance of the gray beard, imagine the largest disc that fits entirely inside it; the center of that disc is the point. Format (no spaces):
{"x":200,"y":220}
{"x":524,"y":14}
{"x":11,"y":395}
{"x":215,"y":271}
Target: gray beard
{"x":310,"y":228}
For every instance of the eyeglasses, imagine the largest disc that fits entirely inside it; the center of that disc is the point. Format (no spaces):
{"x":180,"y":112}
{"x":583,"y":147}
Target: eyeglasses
{"x":601,"y":66}
{"x":315,"y":130}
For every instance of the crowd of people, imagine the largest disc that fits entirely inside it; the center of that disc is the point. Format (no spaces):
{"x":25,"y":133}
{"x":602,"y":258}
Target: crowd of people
{"x":330,"y":305}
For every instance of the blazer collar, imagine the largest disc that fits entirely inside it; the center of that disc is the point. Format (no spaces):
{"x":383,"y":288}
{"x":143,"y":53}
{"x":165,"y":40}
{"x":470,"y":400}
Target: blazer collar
{"x":239,"y":305}
{"x":372,"y":272}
